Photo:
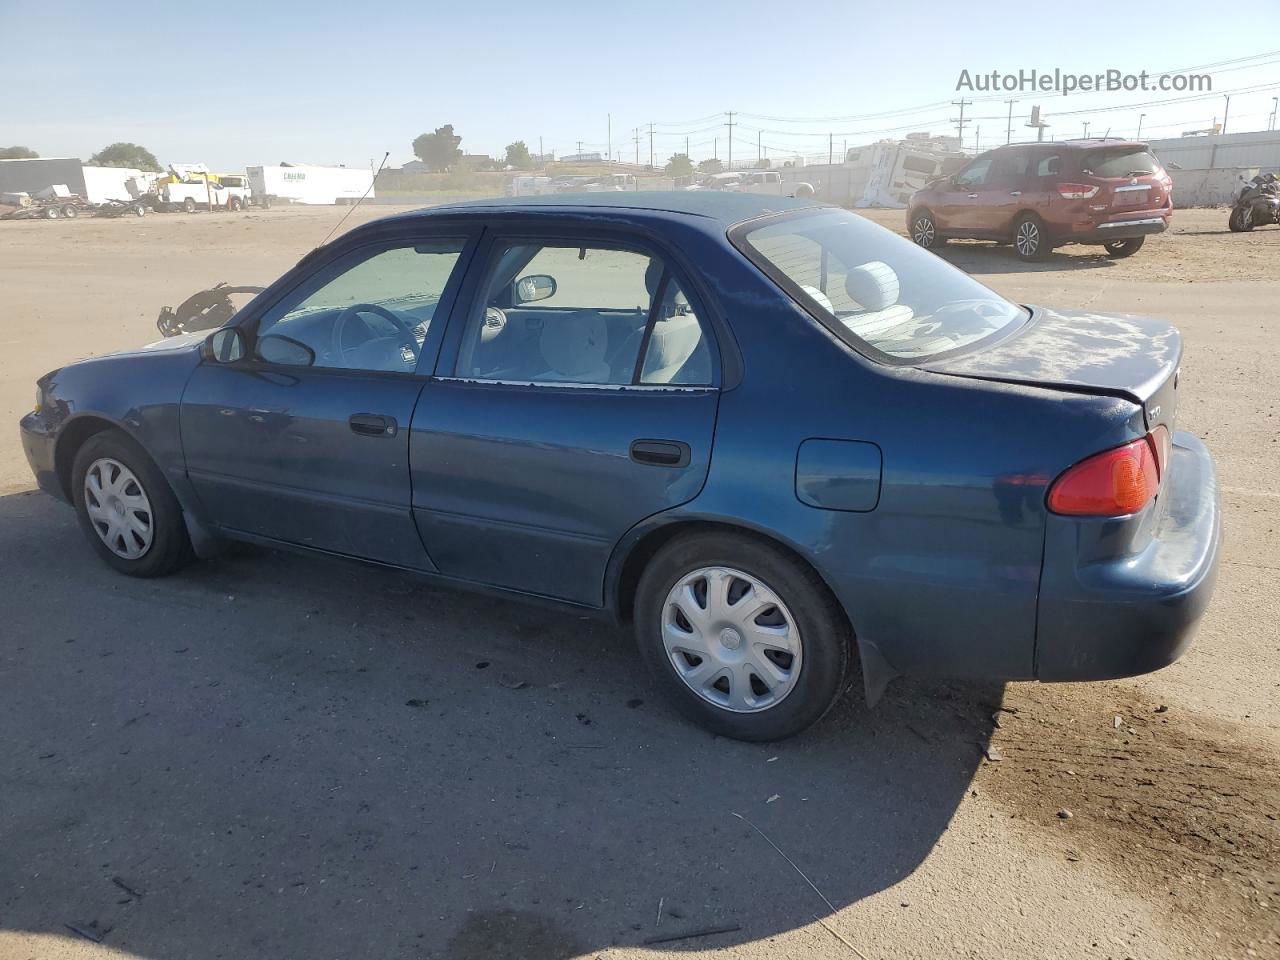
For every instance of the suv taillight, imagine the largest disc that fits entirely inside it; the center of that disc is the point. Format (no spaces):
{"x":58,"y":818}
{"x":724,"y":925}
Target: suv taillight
{"x":1113,"y":483}
{"x":1077,"y":191}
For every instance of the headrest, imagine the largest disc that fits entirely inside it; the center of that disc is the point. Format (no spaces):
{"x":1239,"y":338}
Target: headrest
{"x":653,"y":276}
{"x":671,"y":343}
{"x":872,"y":285}
{"x":574,"y":344}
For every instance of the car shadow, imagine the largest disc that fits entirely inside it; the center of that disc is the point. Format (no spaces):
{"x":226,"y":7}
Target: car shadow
{"x":275,"y":755}
{"x":981,"y":258}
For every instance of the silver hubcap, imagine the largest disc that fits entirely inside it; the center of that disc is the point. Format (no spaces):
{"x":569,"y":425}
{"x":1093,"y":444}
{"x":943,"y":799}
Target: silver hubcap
{"x":118,"y":508}
{"x":923,"y":232}
{"x":1028,"y":239}
{"x":731,"y":639}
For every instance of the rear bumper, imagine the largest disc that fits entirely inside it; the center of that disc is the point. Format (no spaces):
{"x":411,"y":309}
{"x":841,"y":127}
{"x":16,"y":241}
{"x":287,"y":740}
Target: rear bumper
{"x":38,"y":444}
{"x":1132,"y":612}
{"x":1136,"y":226}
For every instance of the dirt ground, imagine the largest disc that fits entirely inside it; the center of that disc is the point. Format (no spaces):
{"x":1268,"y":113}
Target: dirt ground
{"x":278,"y":756}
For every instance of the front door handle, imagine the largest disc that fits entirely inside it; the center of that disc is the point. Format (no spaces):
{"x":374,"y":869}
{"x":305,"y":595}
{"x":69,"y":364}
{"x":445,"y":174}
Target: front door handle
{"x":1015,"y":193}
{"x":373,"y":425}
{"x":660,"y":453}
{"x":972,"y":196}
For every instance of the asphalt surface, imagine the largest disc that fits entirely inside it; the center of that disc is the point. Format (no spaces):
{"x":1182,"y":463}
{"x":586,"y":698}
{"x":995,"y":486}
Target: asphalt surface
{"x":282,"y":756}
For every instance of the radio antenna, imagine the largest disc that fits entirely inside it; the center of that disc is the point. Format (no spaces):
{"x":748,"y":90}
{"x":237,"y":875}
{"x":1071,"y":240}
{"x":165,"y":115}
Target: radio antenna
{"x":358,"y":202}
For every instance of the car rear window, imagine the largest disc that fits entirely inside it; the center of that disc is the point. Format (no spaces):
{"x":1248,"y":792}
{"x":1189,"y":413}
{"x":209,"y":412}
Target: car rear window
{"x":874,"y":289}
{"x":1119,"y":162}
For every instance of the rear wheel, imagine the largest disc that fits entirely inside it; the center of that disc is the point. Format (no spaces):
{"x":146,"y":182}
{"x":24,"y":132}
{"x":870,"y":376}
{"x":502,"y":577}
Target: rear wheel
{"x":924,"y":231}
{"x":51,"y":213}
{"x":1029,"y":240}
{"x":70,"y":211}
{"x":126,"y":507}
{"x":189,"y":205}
{"x":234,"y":204}
{"x":1119,"y":249}
{"x":1241,"y":220}
{"x":139,"y":210}
{"x":744,"y":640}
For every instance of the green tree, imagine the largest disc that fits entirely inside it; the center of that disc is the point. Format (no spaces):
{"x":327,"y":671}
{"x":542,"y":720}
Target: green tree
{"x":126,"y":155}
{"x":17,"y":153}
{"x":439,"y":150}
{"x":518,"y":156}
{"x":710,"y":166}
{"x":678,"y":166}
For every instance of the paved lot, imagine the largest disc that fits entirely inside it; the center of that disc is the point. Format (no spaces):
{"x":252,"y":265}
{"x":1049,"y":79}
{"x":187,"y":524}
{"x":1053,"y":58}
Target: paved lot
{"x":276,"y":756}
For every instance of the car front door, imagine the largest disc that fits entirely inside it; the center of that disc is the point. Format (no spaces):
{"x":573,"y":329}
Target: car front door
{"x":575,"y":397}
{"x":1001,"y":194}
{"x":305,"y":438}
{"x":958,"y":211}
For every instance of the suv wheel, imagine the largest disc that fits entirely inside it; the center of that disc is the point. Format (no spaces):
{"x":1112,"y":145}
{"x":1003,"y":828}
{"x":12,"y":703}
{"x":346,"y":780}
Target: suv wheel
{"x":924,"y":231}
{"x":1029,"y":240}
{"x":743,"y":639}
{"x":1119,"y":249}
{"x":126,"y":507}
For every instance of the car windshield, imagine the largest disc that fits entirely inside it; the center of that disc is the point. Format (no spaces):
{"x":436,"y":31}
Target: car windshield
{"x":876,"y":290}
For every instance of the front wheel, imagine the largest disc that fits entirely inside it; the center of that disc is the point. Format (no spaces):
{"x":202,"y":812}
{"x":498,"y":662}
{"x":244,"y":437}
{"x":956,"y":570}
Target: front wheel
{"x":234,"y":204}
{"x":126,"y":507}
{"x":1029,"y":240}
{"x":924,"y":231}
{"x":70,"y":211}
{"x":1119,"y":249}
{"x":744,"y":639}
{"x":1241,"y":220}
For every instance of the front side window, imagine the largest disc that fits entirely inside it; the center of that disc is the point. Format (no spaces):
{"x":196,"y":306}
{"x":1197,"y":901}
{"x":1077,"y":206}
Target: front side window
{"x":975,"y":174}
{"x":873,"y":288}
{"x":584,"y":314}
{"x":371,"y":315}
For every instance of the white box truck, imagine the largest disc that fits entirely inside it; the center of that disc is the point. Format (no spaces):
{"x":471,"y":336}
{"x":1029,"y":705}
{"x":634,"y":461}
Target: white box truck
{"x":300,"y":183}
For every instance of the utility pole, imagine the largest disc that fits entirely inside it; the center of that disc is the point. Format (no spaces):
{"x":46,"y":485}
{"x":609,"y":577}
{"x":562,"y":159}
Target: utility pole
{"x":730,"y":125}
{"x":1141,"y":117}
{"x":1008,"y":131}
{"x":1271,"y":121}
{"x":637,"y":140}
{"x":650,"y":146}
{"x":1225,"y":112}
{"x":759,"y":151}
{"x":977,"y":139}
{"x":609,"y":155}
{"x":960,"y":122}
{"x":1037,"y":123}
{"x":542,"y":157}
{"x":831,"y":147}
{"x":715,"y":148}
{"x":1086,"y":129}
{"x":686,"y":146}
{"x":579,"y":149}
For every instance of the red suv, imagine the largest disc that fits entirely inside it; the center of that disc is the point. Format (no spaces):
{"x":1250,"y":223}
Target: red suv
{"x":1038,"y":196}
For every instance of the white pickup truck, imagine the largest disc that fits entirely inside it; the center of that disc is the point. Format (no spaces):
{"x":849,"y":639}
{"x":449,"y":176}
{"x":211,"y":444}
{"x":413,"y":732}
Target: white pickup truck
{"x":196,"y":194}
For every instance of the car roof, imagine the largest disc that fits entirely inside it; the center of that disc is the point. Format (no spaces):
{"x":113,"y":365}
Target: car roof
{"x":1078,"y":143}
{"x":725,"y":208}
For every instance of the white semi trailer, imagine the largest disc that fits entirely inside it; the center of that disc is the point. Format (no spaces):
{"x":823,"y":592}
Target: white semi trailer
{"x":306,"y":184}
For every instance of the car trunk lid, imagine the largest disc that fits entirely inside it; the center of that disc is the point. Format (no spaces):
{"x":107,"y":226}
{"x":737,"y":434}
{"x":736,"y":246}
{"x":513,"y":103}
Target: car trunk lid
{"x":1128,"y":178}
{"x":1080,"y":352}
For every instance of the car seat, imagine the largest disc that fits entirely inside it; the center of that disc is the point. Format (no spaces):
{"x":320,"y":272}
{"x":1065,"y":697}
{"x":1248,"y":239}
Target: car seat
{"x":573,"y":347}
{"x":874,"y":287}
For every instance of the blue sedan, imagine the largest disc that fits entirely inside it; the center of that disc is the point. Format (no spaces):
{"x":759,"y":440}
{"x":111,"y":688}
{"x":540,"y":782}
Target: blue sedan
{"x":771,"y":435}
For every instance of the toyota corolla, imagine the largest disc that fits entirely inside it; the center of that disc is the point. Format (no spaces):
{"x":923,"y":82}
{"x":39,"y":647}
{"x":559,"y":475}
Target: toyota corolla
{"x":777,"y":440}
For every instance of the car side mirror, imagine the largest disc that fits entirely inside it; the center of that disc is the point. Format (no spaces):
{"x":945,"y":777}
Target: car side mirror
{"x":225,"y":345}
{"x":274,"y":348}
{"x":535,"y":287}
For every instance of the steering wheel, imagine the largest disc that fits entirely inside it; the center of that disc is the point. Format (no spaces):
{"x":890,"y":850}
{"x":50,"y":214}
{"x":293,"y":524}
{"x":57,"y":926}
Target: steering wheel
{"x":340,"y":326}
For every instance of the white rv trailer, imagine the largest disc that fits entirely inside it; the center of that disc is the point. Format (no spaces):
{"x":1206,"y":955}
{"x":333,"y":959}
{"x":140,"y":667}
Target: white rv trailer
{"x":307,"y":184}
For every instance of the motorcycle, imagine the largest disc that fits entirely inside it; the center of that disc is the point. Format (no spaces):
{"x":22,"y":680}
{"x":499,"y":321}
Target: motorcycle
{"x":1257,"y":204}
{"x":206,"y":310}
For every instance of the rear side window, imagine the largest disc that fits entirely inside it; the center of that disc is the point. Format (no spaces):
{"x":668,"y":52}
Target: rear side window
{"x":1120,"y":162}
{"x":872,"y":288}
{"x":1049,"y":166}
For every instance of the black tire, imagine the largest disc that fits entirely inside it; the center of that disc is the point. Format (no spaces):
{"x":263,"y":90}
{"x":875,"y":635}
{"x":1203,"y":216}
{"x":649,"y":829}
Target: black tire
{"x":139,"y":210}
{"x":189,"y":205}
{"x":1119,"y":249}
{"x":924,"y":231}
{"x":70,"y":211}
{"x":233,"y":204}
{"x":266,"y":203}
{"x":51,"y":213}
{"x":825,"y":637}
{"x":170,"y":547}
{"x":1241,"y":220}
{"x":1030,"y":242}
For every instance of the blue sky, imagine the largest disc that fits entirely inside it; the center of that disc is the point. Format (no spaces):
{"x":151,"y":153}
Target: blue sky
{"x":237,"y":83}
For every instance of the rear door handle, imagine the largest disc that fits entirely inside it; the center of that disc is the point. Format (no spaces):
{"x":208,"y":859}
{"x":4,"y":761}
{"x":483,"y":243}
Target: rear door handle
{"x":660,"y":453}
{"x":373,"y":425}
{"x":1015,"y":193}
{"x":972,"y":196}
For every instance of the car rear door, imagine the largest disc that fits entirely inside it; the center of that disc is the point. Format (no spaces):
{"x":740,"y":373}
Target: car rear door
{"x":1129,"y":180}
{"x":555,"y":424}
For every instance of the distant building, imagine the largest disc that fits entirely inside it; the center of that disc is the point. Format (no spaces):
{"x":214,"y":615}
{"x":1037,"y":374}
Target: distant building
{"x":596,"y":157}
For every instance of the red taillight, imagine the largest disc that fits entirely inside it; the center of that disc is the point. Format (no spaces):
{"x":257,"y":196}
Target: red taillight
{"x":1077,"y":191}
{"x":1115,"y":482}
